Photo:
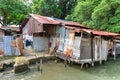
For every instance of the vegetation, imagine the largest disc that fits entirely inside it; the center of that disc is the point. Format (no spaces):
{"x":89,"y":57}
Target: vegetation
{"x":21,"y":60}
{"x":98,"y":14}
{"x":12,"y":11}
{"x":7,"y":58}
{"x":46,"y":7}
{"x":55,"y":8}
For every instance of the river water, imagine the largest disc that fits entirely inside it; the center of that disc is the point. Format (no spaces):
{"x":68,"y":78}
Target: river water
{"x":110,"y":70}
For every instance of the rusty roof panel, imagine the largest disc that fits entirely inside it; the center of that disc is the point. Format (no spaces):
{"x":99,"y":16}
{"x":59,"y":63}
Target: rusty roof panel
{"x":101,"y":33}
{"x":12,"y":28}
{"x":95,"y":32}
{"x":71,"y":23}
{"x":44,"y":19}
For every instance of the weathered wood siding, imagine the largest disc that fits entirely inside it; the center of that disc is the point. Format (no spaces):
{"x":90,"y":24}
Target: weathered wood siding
{"x":85,"y":48}
{"x":76,"y":47}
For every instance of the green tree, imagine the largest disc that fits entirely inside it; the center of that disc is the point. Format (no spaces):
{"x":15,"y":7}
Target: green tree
{"x":46,"y":8}
{"x":56,"y":8}
{"x":107,"y":15}
{"x":98,"y":14}
{"x":12,"y":11}
{"x":66,"y":6}
{"x":83,"y":11}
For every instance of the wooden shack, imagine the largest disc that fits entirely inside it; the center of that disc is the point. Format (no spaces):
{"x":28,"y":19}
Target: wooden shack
{"x":73,"y":41}
{"x":38,"y":31}
{"x":42,"y":33}
{"x":85,"y":45}
{"x":7,"y":36}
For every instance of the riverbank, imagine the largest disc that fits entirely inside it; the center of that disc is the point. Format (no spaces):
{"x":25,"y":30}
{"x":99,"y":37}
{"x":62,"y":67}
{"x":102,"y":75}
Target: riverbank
{"x":110,"y":70}
{"x":8,"y":62}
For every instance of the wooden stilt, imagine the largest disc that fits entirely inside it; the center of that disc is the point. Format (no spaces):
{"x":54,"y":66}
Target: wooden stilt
{"x":38,"y":66}
{"x":92,"y":64}
{"x":71,"y":63}
{"x":65,"y":62}
{"x":86,"y":65}
{"x":41,"y":70}
{"x":82,"y":65}
{"x":114,"y":51}
{"x":100,"y":61}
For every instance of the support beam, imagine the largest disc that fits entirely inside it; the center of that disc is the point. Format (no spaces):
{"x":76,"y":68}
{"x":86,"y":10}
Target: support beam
{"x":82,"y":65}
{"x":100,"y":50}
{"x":114,"y":52}
{"x":64,"y":40}
{"x":92,"y":56}
{"x":81,"y":41}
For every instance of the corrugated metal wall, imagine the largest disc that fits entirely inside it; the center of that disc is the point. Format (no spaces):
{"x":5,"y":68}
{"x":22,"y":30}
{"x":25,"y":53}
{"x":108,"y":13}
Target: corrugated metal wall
{"x":7,"y":45}
{"x":118,"y":48}
{"x":40,"y":43}
{"x":64,"y":38}
{"x":104,"y":50}
{"x":1,"y":45}
{"x":76,"y":47}
{"x":62,"y":34}
{"x":100,"y":49}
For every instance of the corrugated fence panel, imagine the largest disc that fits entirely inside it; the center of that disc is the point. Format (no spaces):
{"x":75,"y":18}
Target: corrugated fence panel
{"x":40,"y":43}
{"x":7,"y":45}
{"x":76,"y":47}
{"x":118,"y":48}
{"x":62,"y":34}
{"x":104,"y":50}
{"x":1,"y":45}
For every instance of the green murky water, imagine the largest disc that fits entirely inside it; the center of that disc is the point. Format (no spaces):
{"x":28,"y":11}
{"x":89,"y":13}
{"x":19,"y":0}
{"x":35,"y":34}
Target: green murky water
{"x":110,"y":70}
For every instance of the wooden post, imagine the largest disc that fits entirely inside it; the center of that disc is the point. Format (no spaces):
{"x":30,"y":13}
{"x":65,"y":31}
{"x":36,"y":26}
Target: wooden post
{"x":41,"y":64}
{"x":100,"y":50}
{"x":65,"y":61}
{"x":82,"y":65}
{"x":92,"y":49}
{"x":96,"y":53}
{"x":81,"y":40}
{"x":114,"y":43}
{"x":64,"y":39}
{"x":80,"y":47}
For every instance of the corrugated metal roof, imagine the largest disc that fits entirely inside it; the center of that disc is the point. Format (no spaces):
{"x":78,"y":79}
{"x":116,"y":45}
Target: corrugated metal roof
{"x":49,"y":20}
{"x":44,"y":19}
{"x":101,"y":33}
{"x":25,"y":20}
{"x":94,"y":32}
{"x":52,"y":21}
{"x":71,"y":23}
{"x":17,"y":29}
